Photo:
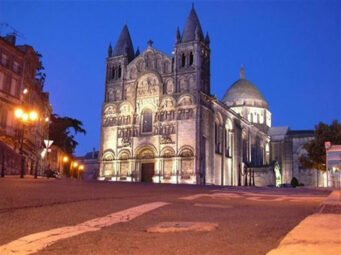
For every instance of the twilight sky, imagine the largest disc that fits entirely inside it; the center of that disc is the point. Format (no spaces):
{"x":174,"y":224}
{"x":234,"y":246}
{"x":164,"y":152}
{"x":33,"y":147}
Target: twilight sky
{"x":291,"y":50}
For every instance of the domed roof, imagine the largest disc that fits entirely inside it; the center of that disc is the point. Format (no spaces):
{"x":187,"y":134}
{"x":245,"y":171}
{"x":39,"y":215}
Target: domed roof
{"x":244,"y":93}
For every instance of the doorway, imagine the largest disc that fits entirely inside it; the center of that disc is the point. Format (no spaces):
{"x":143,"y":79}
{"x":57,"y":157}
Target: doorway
{"x":147,"y":172}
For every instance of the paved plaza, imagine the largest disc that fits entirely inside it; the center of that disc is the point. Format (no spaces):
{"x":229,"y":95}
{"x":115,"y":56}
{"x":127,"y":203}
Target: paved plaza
{"x":49,"y":216}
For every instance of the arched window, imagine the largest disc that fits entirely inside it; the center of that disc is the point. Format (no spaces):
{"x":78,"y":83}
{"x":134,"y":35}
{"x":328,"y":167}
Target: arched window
{"x":119,"y":72}
{"x":113,"y":73}
{"x":191,"y":58}
{"x":183,"y":60}
{"x":217,"y":137}
{"x":147,"y":121}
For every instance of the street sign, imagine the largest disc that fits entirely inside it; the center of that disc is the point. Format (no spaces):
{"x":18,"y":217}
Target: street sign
{"x":48,"y":143}
{"x":327,"y":145}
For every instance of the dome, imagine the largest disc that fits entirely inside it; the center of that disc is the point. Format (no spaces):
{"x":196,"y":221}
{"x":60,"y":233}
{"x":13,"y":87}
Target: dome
{"x":244,"y":93}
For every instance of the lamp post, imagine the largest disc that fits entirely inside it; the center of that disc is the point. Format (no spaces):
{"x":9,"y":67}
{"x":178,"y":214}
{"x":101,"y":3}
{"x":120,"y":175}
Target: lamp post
{"x":74,"y":167}
{"x":80,"y":171}
{"x":25,"y":118}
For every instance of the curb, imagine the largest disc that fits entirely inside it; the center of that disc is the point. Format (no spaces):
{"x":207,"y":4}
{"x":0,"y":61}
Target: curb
{"x":318,"y":234}
{"x":334,"y":198}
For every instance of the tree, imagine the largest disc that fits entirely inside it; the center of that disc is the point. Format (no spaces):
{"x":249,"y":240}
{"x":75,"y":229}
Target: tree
{"x":63,"y":130}
{"x":316,"y":153}
{"x":40,"y":72}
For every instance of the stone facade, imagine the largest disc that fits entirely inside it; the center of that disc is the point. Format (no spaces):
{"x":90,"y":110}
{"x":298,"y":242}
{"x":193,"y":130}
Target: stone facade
{"x":161,"y":124}
{"x":286,"y":148}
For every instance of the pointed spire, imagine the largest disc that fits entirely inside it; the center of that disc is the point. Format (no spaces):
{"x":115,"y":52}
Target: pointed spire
{"x":109,"y":50}
{"x":178,"y":36}
{"x":137,"y":51}
{"x":197,"y":34}
{"x":242,"y":72}
{"x":150,"y":43}
{"x":207,"y":39}
{"x":192,"y":29}
{"x":124,"y":45}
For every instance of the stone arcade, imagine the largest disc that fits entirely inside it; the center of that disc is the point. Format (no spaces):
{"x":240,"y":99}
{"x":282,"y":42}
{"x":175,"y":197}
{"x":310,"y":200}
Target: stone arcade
{"x":161,"y":124}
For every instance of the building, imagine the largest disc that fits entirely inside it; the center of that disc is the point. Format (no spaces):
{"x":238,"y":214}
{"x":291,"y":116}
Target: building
{"x":90,"y":163}
{"x":333,"y":166}
{"x":287,"y":146}
{"x":161,"y":124}
{"x":19,"y":87}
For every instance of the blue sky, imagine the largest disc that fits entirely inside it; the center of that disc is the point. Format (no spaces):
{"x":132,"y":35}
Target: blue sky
{"x":291,"y":50}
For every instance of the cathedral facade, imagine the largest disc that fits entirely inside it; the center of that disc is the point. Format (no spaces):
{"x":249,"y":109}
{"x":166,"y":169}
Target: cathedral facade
{"x":161,"y":124}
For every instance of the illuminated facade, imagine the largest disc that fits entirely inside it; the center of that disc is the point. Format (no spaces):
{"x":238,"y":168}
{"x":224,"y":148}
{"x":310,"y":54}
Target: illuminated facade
{"x":161,"y":124}
{"x":18,"y":68}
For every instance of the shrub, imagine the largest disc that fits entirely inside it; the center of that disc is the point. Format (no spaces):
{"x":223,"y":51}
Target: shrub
{"x":294,"y":182}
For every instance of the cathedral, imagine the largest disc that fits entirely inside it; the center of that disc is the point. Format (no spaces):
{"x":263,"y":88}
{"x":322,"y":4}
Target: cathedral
{"x":160,"y":122}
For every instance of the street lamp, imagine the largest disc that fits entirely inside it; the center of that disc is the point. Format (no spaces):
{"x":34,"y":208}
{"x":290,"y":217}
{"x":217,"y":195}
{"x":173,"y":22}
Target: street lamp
{"x":26,"y":118}
{"x":80,"y":170}
{"x":65,"y":159}
{"x":74,"y":169}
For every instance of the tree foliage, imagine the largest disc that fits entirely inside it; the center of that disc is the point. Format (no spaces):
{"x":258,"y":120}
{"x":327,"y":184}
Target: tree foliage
{"x":316,"y":153}
{"x":63,"y":130}
{"x":40,"y":72}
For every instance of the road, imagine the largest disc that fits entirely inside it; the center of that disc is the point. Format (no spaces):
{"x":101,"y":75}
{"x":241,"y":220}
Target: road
{"x":102,"y":218}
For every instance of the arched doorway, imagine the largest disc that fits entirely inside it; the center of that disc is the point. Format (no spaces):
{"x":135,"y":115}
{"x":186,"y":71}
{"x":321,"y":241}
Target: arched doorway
{"x":147,"y":162}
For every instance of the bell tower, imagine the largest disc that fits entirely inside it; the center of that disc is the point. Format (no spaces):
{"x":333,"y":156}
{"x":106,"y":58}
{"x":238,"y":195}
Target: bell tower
{"x":192,"y":57}
{"x":117,"y":61}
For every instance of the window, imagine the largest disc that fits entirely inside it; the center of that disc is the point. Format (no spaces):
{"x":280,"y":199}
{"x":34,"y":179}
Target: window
{"x":119,"y":72}
{"x":6,"y":84}
{"x":191,"y":58}
{"x":3,"y":117}
{"x":16,"y":67}
{"x":147,"y":121}
{"x":217,"y":138}
{"x":4,"y":59}
{"x":113,"y":74}
{"x":183,"y":60}
{"x":245,"y":149}
{"x":15,"y":88}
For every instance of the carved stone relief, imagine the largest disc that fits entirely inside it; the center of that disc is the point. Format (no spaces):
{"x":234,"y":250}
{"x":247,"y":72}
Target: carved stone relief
{"x":183,"y":85}
{"x":166,"y":139}
{"x":185,"y":114}
{"x":169,"y":87}
{"x":133,"y":72}
{"x":186,"y":101}
{"x":148,"y":86}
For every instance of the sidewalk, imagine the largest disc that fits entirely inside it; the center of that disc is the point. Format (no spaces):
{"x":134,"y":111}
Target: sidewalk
{"x":318,"y":234}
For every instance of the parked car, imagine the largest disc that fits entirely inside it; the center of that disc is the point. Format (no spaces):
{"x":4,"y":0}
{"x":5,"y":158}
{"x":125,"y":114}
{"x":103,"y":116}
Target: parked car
{"x":49,"y":173}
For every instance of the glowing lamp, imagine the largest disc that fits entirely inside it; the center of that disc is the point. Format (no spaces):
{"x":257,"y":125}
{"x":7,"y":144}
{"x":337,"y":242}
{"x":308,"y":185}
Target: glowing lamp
{"x":25,"y":116}
{"x":18,"y":113}
{"x":33,"y":116}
